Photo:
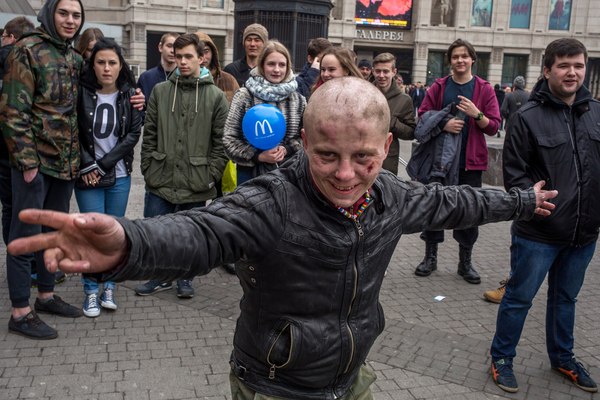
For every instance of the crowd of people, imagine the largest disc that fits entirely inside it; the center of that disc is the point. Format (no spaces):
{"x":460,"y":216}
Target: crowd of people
{"x":316,"y":217}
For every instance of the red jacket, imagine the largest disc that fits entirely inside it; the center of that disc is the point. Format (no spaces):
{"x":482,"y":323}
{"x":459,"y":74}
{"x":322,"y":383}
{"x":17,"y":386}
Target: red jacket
{"x":484,"y":99}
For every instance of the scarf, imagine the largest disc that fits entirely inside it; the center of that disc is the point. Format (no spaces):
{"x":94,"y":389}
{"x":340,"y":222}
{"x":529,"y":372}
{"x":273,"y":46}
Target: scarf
{"x":267,"y":91}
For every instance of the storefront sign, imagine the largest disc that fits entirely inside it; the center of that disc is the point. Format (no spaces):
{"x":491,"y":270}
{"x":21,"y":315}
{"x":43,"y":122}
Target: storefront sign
{"x":369,"y":34}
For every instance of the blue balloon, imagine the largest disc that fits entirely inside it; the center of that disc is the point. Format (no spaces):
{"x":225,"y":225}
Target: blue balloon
{"x":264,"y":126}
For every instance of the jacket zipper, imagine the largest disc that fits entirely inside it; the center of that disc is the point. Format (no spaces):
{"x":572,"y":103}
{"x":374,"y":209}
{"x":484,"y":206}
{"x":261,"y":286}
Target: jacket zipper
{"x":577,"y":172}
{"x":361,"y":234}
{"x":272,"y":366}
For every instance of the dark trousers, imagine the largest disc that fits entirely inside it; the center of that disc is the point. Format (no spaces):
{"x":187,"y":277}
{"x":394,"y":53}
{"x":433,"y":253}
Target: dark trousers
{"x":5,"y":198}
{"x":43,"y":192}
{"x":464,"y":237}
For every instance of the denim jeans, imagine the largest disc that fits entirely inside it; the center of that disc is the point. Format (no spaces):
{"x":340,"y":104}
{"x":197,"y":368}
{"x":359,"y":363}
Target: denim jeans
{"x":244,"y":174}
{"x":111,"y":201}
{"x":155,"y":205}
{"x":530,"y":263}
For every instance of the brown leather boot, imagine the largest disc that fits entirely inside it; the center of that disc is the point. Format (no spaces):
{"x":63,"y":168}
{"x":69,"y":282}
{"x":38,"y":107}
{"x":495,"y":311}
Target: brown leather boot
{"x":496,"y":295}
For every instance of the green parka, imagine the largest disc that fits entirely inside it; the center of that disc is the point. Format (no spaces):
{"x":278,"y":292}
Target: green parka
{"x":182,"y":153}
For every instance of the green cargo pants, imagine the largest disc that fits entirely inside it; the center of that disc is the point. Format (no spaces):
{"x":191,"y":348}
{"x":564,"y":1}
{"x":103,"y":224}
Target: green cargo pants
{"x":360,"y":390}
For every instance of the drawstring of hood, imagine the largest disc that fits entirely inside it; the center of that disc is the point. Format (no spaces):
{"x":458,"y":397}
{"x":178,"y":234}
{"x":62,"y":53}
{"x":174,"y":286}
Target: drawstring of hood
{"x":204,"y":78}
{"x":175,"y":95}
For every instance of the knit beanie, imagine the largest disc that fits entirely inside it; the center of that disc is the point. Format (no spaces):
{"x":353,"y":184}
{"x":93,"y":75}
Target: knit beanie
{"x":258,"y":30}
{"x":519,"y":82}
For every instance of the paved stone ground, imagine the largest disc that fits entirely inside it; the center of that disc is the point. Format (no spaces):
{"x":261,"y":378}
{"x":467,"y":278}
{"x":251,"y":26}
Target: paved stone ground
{"x":161,"y":347}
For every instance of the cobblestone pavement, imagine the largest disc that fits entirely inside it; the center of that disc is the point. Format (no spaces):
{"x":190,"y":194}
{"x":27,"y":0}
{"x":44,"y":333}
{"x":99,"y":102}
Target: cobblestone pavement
{"x":162,"y":347}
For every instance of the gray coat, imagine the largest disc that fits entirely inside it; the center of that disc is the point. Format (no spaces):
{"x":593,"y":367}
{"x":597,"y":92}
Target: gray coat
{"x":436,"y":157}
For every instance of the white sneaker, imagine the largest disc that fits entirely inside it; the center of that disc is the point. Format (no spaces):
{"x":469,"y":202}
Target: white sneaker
{"x":107,"y":300}
{"x":90,"y":305}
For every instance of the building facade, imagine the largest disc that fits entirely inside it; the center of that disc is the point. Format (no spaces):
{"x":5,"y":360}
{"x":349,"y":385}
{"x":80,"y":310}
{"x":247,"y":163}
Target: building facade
{"x":509,"y":35}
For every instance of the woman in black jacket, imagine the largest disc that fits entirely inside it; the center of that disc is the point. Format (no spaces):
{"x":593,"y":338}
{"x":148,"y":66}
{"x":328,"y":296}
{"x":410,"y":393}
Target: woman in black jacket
{"x":109,"y":128}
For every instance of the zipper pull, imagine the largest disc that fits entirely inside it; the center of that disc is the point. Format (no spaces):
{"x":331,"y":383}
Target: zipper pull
{"x":272,"y":372}
{"x":361,"y":233}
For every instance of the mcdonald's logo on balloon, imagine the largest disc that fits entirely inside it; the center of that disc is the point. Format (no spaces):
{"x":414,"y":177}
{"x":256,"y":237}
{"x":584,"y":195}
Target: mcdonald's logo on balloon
{"x":264,"y":126}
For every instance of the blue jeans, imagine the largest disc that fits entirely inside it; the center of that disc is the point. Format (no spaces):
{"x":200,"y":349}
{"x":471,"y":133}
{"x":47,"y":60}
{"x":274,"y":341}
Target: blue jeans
{"x":244,"y":174}
{"x":155,"y":205}
{"x":530,"y":263}
{"x":111,"y":201}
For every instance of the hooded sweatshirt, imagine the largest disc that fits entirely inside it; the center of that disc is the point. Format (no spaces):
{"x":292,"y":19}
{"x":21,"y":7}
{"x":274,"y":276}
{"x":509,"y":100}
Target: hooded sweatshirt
{"x":40,"y":126}
{"x":182,"y":149}
{"x":223,"y":80}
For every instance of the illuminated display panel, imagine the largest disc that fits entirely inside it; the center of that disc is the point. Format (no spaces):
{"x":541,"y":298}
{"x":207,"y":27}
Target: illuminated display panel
{"x":384,"y":13}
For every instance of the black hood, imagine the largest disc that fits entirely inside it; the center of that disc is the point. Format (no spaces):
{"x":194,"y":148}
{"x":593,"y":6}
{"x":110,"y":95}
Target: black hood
{"x":541,"y":92}
{"x":46,"y":19}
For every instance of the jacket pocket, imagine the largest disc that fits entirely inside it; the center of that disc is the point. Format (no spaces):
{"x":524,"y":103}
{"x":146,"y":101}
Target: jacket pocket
{"x":554,"y":147}
{"x":200,"y":179}
{"x":283,"y":346}
{"x":594,"y":133}
{"x":157,"y":173}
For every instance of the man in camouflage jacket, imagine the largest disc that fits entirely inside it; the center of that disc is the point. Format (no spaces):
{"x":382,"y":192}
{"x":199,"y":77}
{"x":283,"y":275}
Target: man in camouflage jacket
{"x":39,"y":123}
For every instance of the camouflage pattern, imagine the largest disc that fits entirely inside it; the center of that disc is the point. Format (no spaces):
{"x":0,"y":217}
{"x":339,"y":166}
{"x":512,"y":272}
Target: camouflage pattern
{"x":38,"y":106}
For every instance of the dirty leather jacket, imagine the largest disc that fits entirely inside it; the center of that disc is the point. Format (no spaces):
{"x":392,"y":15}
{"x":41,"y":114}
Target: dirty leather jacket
{"x":310,"y":276}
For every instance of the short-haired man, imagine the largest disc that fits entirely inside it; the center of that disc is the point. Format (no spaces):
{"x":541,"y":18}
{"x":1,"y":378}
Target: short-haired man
{"x":13,"y":30}
{"x":402,"y":118}
{"x":477,"y":114}
{"x":553,"y":137}
{"x":417,"y":95}
{"x":148,"y":79}
{"x":312,"y":68}
{"x":40,"y":129}
{"x":313,"y":240}
{"x":515,"y":99}
{"x":182,"y":154}
{"x":254,"y":38}
{"x":365,"y":67}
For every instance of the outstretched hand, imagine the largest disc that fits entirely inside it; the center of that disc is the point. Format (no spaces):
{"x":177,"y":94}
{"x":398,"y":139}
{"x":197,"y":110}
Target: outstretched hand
{"x":542,"y":206}
{"x":80,"y":243}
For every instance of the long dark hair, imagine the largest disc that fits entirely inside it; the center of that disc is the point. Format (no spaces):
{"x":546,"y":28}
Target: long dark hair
{"x":125,"y":79}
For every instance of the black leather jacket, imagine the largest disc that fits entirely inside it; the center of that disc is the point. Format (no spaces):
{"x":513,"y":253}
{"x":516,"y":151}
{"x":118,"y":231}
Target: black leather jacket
{"x":547,"y":139}
{"x":130,"y":128}
{"x":311,"y":277}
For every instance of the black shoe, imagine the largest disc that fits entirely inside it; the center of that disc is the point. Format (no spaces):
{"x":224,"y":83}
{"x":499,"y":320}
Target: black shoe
{"x":185,"y":289}
{"x":429,"y":263}
{"x":57,"y":306}
{"x":151,"y":287}
{"x":465,"y":267}
{"x":32,"y":326}
{"x":229,"y":267}
{"x":576,"y":373}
